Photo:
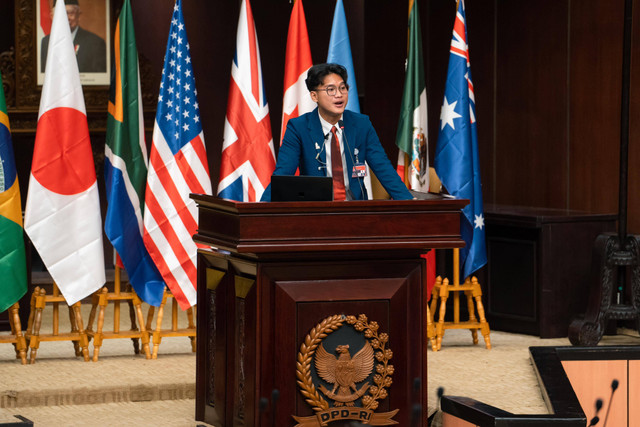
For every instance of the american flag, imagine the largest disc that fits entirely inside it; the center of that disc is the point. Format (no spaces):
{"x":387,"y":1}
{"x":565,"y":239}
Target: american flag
{"x":248,"y":156}
{"x":177,"y":167}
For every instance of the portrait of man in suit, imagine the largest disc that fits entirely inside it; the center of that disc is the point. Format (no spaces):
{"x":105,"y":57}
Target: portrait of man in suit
{"x":91,"y":49}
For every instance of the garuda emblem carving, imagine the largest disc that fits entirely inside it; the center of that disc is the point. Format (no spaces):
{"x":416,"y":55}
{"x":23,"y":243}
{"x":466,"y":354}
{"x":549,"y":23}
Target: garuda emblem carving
{"x":355,"y":392}
{"x":344,"y":372}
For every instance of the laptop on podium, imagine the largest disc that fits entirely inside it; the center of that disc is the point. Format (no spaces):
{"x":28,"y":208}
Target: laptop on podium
{"x":289,"y":188}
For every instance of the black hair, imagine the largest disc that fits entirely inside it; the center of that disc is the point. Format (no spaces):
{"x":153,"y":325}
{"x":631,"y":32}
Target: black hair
{"x":318,"y":72}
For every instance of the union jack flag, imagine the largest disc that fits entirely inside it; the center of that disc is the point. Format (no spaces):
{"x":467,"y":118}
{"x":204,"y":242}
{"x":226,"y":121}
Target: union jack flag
{"x":248,"y":156}
{"x":177,"y":167}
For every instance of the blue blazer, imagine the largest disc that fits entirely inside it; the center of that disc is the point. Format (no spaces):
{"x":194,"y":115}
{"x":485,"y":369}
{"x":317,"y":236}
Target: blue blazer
{"x":303,"y":147}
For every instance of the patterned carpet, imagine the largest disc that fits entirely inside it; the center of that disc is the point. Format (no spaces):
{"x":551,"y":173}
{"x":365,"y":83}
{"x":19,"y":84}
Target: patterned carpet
{"x":126,"y":389}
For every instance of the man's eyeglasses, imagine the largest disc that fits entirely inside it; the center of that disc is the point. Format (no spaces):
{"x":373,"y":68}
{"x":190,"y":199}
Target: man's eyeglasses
{"x":332,"y":90}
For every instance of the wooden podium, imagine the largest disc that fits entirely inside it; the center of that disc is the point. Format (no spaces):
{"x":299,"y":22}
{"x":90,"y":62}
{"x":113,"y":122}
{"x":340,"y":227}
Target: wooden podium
{"x":278,"y":273}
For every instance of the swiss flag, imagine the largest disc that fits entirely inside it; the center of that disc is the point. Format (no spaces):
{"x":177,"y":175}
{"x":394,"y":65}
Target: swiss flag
{"x":297,"y":100}
{"x":62,"y":214}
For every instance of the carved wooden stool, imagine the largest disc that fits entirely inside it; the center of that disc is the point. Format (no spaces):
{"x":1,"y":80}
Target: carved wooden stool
{"x":39,"y":300}
{"x":473,"y":293}
{"x":158,"y":333}
{"x":16,"y":338}
{"x":101,"y":299}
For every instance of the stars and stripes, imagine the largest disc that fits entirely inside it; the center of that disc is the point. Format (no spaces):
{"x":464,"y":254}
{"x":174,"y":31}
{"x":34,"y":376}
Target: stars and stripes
{"x":248,"y":155}
{"x":177,"y":167}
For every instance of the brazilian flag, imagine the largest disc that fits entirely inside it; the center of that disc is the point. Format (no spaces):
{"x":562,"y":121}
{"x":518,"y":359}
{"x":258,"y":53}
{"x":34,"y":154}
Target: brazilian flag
{"x":13,"y":267}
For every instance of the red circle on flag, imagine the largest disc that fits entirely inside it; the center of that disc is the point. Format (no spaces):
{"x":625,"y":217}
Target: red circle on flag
{"x":62,"y":157}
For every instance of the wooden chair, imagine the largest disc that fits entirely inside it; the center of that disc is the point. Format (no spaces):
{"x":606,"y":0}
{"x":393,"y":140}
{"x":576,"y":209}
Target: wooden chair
{"x":16,"y":338}
{"x":101,"y":299}
{"x":39,"y":300}
{"x":473,"y":293}
{"x":158,"y":333}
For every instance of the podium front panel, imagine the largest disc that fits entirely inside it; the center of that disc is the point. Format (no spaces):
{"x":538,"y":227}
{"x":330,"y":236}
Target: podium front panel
{"x":261,"y":313}
{"x":316,"y":310}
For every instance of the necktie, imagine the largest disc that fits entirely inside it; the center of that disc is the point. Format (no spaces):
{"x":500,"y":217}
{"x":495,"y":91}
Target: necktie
{"x":336,"y":167}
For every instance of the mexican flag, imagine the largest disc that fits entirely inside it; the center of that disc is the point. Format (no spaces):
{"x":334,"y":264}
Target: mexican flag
{"x":411,"y":138}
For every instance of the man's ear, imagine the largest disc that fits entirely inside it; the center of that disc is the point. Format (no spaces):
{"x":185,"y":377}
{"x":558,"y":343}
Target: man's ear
{"x":314,"y":96}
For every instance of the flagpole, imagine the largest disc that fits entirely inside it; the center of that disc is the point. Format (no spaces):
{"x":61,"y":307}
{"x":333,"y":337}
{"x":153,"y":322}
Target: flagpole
{"x":407,"y":159}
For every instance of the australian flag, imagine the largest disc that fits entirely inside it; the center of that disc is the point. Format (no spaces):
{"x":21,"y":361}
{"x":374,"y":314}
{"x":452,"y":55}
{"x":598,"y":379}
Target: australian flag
{"x":456,"y":161}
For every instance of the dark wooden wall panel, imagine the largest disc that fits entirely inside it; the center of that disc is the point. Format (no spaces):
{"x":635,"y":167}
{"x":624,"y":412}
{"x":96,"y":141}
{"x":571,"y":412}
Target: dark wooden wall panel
{"x":634,"y":125}
{"x":596,"y":82}
{"x":546,"y":74}
{"x":531,"y":103}
{"x":385,"y":52}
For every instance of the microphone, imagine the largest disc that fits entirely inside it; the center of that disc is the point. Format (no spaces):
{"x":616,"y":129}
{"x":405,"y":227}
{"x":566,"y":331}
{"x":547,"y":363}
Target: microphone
{"x":324,"y":144}
{"x":436,"y":413}
{"x":344,"y":136}
{"x":416,"y":408}
{"x":614,"y":387}
{"x":262,"y":404}
{"x":595,"y":420}
{"x":275,"y":395}
{"x":416,"y":412}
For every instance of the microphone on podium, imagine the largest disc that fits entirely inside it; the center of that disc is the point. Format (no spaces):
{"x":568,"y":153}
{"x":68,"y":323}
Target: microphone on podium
{"x":595,"y":420}
{"x":275,"y":395}
{"x":262,"y":404}
{"x":614,"y":387}
{"x":416,"y":409}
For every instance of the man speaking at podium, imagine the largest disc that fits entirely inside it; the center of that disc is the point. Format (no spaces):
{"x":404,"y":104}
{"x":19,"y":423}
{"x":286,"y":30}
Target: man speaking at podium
{"x":330,"y":141}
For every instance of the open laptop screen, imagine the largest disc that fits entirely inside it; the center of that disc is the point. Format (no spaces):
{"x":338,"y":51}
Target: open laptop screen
{"x":286,"y":188}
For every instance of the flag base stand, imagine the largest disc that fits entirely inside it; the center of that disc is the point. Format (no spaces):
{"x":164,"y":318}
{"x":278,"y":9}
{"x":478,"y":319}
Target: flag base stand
{"x":473,"y":292}
{"x":158,"y":333}
{"x":431,"y":330}
{"x":39,"y":300}
{"x":611,"y":258}
{"x":16,"y":338}
{"x":101,"y":299}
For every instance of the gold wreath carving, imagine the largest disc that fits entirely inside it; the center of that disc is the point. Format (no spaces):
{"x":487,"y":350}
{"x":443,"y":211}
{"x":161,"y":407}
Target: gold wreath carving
{"x":382,"y":378}
{"x":384,"y":370}
{"x":303,"y":366}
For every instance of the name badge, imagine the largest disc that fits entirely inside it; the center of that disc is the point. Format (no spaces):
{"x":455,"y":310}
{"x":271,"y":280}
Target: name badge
{"x":359,"y":170}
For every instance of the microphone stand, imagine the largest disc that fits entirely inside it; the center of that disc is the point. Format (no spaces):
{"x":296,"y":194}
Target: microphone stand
{"x":347,"y":148}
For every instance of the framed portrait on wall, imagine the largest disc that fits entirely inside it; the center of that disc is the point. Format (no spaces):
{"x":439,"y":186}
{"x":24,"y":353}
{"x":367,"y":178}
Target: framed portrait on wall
{"x":89,"y":22}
